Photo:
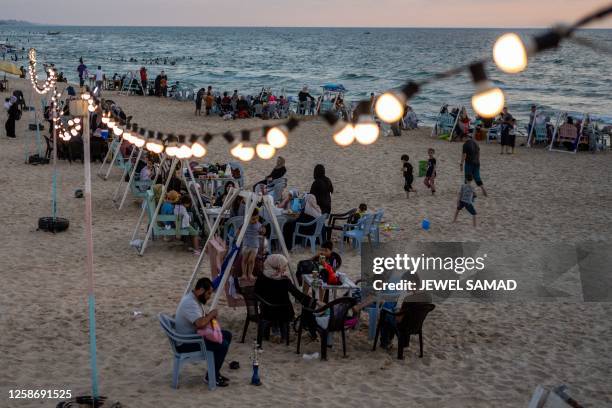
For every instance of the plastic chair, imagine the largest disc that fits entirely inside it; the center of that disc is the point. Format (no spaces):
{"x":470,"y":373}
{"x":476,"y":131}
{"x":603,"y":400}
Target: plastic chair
{"x":412,"y":317}
{"x":273,"y":236}
{"x":357,"y":232}
{"x":319,"y":223}
{"x":276,"y":188}
{"x":168,"y":326}
{"x":337,"y":309}
{"x":241,"y":179}
{"x":375,"y":227}
{"x":331,"y":225}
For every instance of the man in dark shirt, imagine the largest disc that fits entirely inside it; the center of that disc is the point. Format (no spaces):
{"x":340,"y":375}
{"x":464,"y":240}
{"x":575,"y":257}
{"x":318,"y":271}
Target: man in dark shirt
{"x":470,"y":162}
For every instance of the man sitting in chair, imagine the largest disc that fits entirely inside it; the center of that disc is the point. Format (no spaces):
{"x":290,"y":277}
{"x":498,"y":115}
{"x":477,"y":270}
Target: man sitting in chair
{"x":190,"y":317}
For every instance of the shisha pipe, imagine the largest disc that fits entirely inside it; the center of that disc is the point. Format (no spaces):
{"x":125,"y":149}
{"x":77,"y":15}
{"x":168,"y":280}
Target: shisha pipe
{"x":255,"y":380}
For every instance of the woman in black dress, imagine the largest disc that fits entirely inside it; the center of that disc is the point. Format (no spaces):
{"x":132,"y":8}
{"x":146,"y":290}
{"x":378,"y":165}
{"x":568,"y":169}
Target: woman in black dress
{"x":322,"y":189}
{"x":13,"y":115}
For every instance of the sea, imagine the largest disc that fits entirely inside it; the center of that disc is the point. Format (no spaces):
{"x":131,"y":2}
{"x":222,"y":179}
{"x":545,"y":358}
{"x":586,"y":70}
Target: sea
{"x":364,"y":60}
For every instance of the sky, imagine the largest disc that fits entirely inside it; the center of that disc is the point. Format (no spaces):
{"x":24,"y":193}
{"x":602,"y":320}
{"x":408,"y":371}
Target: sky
{"x":303,"y":13}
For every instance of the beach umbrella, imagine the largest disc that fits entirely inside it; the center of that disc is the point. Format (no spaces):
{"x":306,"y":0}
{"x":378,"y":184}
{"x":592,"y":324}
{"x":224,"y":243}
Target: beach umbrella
{"x":9,"y":68}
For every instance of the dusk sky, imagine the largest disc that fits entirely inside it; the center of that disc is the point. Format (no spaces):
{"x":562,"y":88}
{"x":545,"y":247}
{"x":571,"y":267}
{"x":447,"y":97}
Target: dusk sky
{"x":303,"y":13}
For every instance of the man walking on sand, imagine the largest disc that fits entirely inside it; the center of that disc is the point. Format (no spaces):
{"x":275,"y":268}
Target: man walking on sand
{"x":470,"y":162}
{"x":99,"y":80}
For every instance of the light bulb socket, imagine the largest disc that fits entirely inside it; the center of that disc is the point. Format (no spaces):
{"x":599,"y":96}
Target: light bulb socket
{"x":548,"y":40}
{"x":229,"y":137}
{"x":291,"y":124}
{"x":207,"y":138}
{"x":245,"y":135}
{"x":478,"y":72}
{"x":410,"y":89}
{"x":330,"y":118}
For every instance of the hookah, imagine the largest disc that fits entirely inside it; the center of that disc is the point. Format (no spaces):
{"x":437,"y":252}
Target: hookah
{"x":255,"y":380}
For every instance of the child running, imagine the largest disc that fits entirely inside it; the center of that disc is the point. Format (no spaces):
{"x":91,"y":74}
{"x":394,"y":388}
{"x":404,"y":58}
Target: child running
{"x":430,"y":175}
{"x":407,"y":171}
{"x":466,"y":199}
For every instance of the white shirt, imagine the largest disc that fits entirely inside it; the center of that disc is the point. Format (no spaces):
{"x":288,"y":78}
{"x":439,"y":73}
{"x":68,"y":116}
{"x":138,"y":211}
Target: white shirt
{"x":99,"y":75}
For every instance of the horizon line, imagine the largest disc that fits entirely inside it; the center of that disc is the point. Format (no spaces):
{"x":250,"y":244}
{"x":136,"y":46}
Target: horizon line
{"x":311,"y":26}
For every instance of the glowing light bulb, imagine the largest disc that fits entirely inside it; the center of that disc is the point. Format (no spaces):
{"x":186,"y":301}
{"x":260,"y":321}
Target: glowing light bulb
{"x":154,"y":146}
{"x":77,"y":120}
{"x":183,"y":152}
{"x":277,"y":137}
{"x":127,"y":136}
{"x":118,"y":131}
{"x":265,"y":151}
{"x":488,"y":100}
{"x":366,"y":130}
{"x":86,"y":96}
{"x":73,"y":132}
{"x":138,"y":141}
{"x":110,"y":123}
{"x":390,"y":107}
{"x":344,"y":134}
{"x":70,"y":122}
{"x":510,"y":54}
{"x":91,"y":108}
{"x":66,"y":134}
{"x":236,"y":151}
{"x":198,"y":150}
{"x":247,"y":153}
{"x":171,"y":150}
{"x":105,"y":119}
{"x":78,"y":127}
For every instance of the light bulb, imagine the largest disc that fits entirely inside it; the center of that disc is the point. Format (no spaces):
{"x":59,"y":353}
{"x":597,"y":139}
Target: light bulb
{"x":105,"y":119}
{"x":488,"y":100}
{"x":183,"y":152}
{"x":277,"y":137}
{"x":127,"y":136}
{"x":118,"y":131}
{"x":236,"y":151}
{"x":390,"y":107}
{"x":154,"y":146}
{"x":247,"y":153}
{"x":198,"y":150}
{"x":138,"y":141}
{"x":66,"y":134}
{"x":78,"y":127}
{"x":70,"y":122}
{"x":171,"y":150}
{"x":86,"y":96}
{"x":510,"y":54}
{"x":77,"y":120}
{"x":344,"y":134}
{"x":74,"y":132}
{"x":366,"y":130}
{"x":91,"y":108}
{"x":110,"y":123}
{"x":265,"y":151}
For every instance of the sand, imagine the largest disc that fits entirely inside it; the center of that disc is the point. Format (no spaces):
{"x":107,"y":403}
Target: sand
{"x":476,"y":355}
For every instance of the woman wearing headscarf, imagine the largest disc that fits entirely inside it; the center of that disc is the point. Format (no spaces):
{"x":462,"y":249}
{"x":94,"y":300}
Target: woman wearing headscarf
{"x":277,"y":172}
{"x":274,"y":287}
{"x":13,"y":115}
{"x":310,"y":212}
{"x":322,"y":189}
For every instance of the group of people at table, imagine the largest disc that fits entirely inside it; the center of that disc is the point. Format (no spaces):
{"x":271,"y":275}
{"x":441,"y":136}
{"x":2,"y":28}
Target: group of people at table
{"x":271,"y":281}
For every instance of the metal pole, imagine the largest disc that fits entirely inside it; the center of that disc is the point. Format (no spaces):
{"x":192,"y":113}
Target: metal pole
{"x":269,"y":205}
{"x":226,"y":272}
{"x":159,"y":204}
{"x":535,"y":114}
{"x":112,"y":163}
{"x":131,"y":179}
{"x":81,"y":110}
{"x":233,"y":193}
{"x":202,"y":206}
{"x":109,"y":153}
{"x":54,"y":135}
{"x":144,"y":204}
{"x":125,"y":171}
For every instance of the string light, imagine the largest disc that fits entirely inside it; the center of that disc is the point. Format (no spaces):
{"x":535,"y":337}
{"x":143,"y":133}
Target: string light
{"x":488,"y":100}
{"x":366,"y":130}
{"x":265,"y":151}
{"x":198,"y":147}
{"x":344,"y":134}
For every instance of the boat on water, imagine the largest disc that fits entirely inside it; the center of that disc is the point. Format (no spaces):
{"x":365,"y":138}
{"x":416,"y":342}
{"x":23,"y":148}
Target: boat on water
{"x":53,"y":32}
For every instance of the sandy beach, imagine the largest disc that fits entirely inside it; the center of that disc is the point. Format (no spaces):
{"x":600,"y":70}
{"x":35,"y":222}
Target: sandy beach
{"x":476,"y":355}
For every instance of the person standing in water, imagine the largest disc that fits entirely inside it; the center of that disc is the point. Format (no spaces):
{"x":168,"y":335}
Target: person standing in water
{"x":82,"y":70}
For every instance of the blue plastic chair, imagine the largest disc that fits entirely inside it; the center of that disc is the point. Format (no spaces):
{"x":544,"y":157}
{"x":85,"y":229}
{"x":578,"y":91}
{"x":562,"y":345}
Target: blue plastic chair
{"x":357,"y":232}
{"x":375,"y":227}
{"x":319,"y":223}
{"x":167,"y":324}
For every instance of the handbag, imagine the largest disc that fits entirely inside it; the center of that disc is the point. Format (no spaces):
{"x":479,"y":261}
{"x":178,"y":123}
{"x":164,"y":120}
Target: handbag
{"x":212,"y":332}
